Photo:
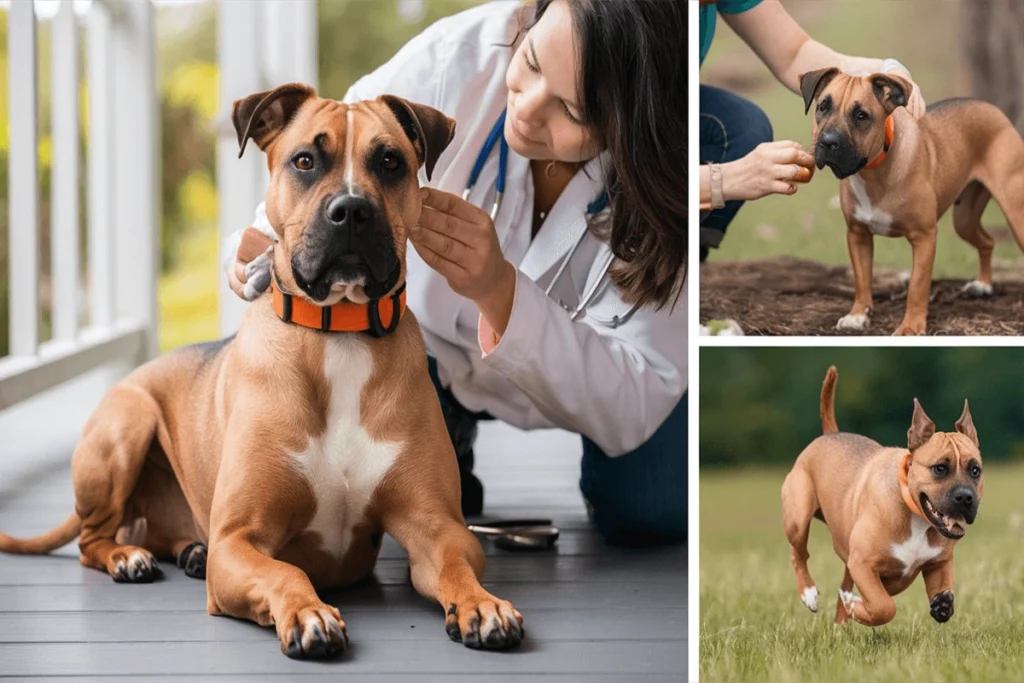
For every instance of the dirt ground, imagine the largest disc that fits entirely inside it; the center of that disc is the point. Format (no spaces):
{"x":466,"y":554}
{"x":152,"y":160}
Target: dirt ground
{"x":787,"y":296}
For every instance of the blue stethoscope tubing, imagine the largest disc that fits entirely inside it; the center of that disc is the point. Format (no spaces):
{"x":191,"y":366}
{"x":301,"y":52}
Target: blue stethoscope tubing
{"x":497,"y":137}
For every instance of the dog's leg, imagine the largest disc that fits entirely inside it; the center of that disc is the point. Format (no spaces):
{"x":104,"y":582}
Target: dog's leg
{"x":447,"y":563}
{"x":105,"y":467}
{"x":861,"y":244}
{"x":255,"y":513}
{"x":938,"y":582}
{"x":799,"y":503}
{"x":875,"y":607}
{"x":1003,"y":175}
{"x":915,"y":320}
{"x":967,"y":211}
{"x":845,"y":592}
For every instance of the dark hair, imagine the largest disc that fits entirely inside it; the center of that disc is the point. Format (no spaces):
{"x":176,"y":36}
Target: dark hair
{"x":633,"y":58}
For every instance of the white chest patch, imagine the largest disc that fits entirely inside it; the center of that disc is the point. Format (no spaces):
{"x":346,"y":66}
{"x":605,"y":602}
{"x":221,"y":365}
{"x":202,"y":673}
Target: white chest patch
{"x":344,"y":465}
{"x":915,"y":551}
{"x":879,"y":222}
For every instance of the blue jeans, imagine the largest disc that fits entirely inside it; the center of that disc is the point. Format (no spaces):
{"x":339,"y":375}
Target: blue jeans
{"x":731,"y":127}
{"x":639,"y":498}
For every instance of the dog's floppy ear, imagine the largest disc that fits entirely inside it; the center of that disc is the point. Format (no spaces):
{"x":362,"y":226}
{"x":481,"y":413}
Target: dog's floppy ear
{"x":891,"y":90}
{"x":921,"y":428}
{"x":263,"y":115}
{"x":812,"y":83}
{"x":429,"y":131}
{"x":965,"y":425}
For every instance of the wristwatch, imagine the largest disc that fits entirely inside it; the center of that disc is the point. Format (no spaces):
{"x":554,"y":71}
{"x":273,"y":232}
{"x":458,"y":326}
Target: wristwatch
{"x":717,"y":196}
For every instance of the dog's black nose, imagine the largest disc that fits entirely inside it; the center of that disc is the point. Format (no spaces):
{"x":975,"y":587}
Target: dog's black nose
{"x":349,"y":211}
{"x":830,"y":140}
{"x":963,"y":497}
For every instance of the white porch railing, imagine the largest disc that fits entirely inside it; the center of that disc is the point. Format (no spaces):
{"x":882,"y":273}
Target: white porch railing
{"x":260,"y":45}
{"x":122,"y":196}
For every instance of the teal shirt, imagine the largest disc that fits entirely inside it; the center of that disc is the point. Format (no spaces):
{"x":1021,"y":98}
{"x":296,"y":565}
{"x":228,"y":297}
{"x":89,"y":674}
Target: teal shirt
{"x":709,"y":17}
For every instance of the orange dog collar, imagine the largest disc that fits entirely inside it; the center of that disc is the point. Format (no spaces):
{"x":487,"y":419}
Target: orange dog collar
{"x":903,"y":474}
{"x":890,"y":133}
{"x":377,"y":317}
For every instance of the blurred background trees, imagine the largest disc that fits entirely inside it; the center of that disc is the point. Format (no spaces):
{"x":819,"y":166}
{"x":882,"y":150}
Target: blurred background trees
{"x":759,"y":406}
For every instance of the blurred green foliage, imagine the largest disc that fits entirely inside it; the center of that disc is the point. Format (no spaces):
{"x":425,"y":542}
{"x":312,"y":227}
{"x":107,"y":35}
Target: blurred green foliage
{"x":759,"y":406}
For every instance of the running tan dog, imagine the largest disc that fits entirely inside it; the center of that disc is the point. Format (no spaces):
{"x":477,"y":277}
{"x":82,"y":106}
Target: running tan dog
{"x":900,"y":175}
{"x":892,"y":512}
{"x":291,"y":450}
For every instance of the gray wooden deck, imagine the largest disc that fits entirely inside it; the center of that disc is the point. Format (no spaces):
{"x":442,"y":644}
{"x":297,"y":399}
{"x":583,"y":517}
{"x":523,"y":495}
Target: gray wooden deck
{"x":592,"y":612}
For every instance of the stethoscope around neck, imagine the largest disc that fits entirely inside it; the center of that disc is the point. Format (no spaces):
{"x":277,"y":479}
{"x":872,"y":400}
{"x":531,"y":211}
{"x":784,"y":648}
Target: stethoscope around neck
{"x":497,"y":137}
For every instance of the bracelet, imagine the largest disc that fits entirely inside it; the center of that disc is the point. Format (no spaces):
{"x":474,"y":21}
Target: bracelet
{"x":717,"y":195}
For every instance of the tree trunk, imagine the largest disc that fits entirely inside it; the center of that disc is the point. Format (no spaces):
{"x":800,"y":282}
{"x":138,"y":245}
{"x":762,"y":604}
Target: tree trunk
{"x":993,"y":40}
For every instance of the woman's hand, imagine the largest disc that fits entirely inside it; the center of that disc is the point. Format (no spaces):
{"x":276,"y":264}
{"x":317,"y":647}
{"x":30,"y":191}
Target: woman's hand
{"x":249,"y":276}
{"x":772,"y":168}
{"x":457,"y":239}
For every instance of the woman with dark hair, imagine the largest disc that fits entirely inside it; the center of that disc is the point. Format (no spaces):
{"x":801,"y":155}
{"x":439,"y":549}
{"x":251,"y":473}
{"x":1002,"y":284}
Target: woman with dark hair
{"x":560,"y":301}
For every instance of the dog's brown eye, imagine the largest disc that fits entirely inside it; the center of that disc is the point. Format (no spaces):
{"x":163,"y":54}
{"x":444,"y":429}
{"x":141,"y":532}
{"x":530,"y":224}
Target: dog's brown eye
{"x":975,"y":471}
{"x":390,"y":161}
{"x":861,"y":115}
{"x":939,"y":470}
{"x":303,"y":162}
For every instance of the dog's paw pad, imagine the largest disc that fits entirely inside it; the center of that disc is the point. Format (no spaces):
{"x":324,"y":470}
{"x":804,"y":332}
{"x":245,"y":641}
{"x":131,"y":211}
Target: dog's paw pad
{"x":853,"y":322}
{"x":489,"y":624}
{"x":809,"y":597}
{"x":315,"y":633}
{"x":977,"y":290}
{"x":849,"y":600}
{"x":942,"y":607}
{"x":193,"y":560}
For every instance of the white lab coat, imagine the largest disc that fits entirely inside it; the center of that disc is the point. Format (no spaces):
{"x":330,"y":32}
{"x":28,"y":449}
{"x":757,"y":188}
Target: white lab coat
{"x":613,"y":385}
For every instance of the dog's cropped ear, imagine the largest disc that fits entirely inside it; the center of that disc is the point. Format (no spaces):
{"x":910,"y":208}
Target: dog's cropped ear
{"x":921,"y":428}
{"x":263,"y":115}
{"x":812,"y":83}
{"x":965,"y":425}
{"x":429,"y":131}
{"x":891,"y":90}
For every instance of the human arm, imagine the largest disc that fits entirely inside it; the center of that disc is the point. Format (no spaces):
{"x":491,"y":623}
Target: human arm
{"x":772,"y":168}
{"x":789,"y":52}
{"x":614,"y":385}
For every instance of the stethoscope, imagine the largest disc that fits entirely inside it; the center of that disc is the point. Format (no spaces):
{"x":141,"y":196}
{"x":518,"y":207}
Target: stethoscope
{"x":497,"y":137}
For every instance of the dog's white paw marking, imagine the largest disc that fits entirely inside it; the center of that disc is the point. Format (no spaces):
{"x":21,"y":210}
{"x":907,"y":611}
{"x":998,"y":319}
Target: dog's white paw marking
{"x":976,"y":288}
{"x":849,"y":600}
{"x":810,"y":598}
{"x":852,"y":322}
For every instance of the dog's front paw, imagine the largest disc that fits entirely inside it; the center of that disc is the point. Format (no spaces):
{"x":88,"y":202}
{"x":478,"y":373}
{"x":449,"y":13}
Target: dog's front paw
{"x":909,"y":329}
{"x":859,"y":321}
{"x":809,"y":597}
{"x":314,"y":632}
{"x":942,"y":607}
{"x":485,"y":622}
{"x":976,"y":289}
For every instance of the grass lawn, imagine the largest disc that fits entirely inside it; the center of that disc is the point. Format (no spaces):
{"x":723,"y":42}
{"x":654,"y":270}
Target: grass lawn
{"x":753,"y":626}
{"x":810,"y":224}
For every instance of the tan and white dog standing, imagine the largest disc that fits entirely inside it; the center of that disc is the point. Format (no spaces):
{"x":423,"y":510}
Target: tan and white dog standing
{"x":292,"y":448}
{"x":900,"y":175}
{"x":893,"y":513}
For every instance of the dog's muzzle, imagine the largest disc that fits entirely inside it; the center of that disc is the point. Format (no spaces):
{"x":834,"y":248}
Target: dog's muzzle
{"x":838,"y":152}
{"x":349,"y":241}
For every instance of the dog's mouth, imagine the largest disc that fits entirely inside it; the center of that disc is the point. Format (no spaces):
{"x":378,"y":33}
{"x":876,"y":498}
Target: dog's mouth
{"x":950,"y":526}
{"x":349,"y":276}
{"x":842,"y":171}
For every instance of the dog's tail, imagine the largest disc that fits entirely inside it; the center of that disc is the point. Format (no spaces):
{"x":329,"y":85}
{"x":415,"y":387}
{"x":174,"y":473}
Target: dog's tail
{"x":44,"y":543}
{"x":828,"y":396}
